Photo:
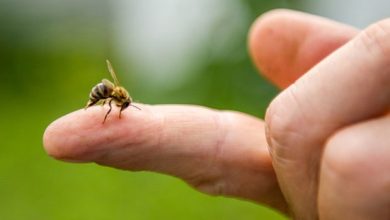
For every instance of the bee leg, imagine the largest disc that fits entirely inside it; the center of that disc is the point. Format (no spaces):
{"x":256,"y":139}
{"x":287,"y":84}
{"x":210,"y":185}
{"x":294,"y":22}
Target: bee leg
{"x":120,"y":113}
{"x":109,"y":104}
{"x":90,"y":103}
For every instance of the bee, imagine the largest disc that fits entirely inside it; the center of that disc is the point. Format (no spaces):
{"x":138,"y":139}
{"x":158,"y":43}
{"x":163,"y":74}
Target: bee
{"x":106,"y":91}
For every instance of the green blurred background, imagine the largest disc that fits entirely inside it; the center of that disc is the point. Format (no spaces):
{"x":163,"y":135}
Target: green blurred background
{"x":52,"y":52}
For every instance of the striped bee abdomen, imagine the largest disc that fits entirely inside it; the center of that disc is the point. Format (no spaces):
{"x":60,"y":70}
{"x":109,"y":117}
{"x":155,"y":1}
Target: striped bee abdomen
{"x":100,"y":91}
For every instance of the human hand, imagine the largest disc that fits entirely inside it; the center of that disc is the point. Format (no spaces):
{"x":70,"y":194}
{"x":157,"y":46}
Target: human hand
{"x":225,"y":153}
{"x":329,"y":132}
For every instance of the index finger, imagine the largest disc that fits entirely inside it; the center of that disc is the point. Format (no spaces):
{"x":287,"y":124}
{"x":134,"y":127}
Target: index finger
{"x":215,"y":151}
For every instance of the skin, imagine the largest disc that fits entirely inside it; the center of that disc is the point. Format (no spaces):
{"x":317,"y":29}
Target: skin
{"x":322,"y":152}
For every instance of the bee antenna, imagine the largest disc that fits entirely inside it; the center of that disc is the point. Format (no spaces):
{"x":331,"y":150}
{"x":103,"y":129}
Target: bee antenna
{"x":135,"y":107}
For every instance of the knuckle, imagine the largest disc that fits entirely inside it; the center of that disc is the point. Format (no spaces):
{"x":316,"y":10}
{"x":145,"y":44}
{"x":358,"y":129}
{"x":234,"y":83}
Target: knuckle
{"x":340,"y":155}
{"x":284,"y":126}
{"x":376,"y":38}
{"x":350,"y":156}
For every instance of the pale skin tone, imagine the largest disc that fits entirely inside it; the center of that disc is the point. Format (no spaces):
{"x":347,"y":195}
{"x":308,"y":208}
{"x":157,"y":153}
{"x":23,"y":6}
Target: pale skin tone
{"x":323,"y":151}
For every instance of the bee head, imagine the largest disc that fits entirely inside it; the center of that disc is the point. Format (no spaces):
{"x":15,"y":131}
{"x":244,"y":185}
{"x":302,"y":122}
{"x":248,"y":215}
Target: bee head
{"x":125,"y":104}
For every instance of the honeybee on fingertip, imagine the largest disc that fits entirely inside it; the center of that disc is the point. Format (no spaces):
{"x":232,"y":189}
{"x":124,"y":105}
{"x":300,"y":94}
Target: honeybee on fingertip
{"x":106,"y":91}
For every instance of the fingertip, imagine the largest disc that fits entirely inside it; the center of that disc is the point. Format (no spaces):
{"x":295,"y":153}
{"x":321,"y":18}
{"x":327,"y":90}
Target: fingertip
{"x":284,"y":44}
{"x":273,"y":44}
{"x":59,"y":137}
{"x":77,"y":135}
{"x":262,"y":35}
{"x":82,"y":136}
{"x":48,"y":142}
{"x":261,"y":27}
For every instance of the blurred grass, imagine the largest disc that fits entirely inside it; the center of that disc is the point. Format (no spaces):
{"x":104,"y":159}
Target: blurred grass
{"x":50,"y":57}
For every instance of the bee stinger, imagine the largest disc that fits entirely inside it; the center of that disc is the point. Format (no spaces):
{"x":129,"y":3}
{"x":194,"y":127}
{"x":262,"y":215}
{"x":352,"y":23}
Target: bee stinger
{"x":106,"y":91}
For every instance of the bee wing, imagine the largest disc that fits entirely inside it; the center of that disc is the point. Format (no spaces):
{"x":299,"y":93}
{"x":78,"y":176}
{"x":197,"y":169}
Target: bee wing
{"x":112,"y":72}
{"x":108,"y":83}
